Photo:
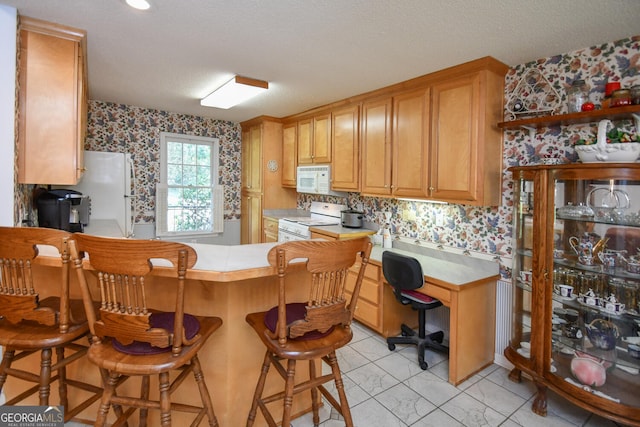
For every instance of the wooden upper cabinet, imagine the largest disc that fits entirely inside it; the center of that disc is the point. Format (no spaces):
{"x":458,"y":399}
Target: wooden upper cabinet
{"x":52,"y":102}
{"x":466,"y":145}
{"x":252,"y":158}
{"x":375,"y":147}
{"x":322,"y":139}
{"x":289,"y":154}
{"x":410,"y":144}
{"x":345,"y":146}
{"x":261,"y":176}
{"x":314,"y":140}
{"x":305,"y":142}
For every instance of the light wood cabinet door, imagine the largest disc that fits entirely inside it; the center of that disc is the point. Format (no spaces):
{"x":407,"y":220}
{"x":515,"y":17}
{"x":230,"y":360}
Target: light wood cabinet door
{"x":261,"y":185}
{"x":251,"y":224}
{"x":314,"y":140}
{"x":52,"y":103}
{"x":454,"y":156}
{"x":375,"y":165}
{"x":345,"y":168}
{"x":322,"y":139}
{"x":269,"y":229}
{"x":305,"y":142}
{"x":411,"y":144}
{"x":289,"y":154}
{"x":252,"y":158}
{"x":466,"y":146}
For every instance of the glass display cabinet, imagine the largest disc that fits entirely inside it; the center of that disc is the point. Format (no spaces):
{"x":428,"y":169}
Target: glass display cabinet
{"x":576,"y":313}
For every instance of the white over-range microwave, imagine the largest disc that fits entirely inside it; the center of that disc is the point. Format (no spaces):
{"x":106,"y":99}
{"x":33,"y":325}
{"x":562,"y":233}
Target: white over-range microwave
{"x":314,"y":179}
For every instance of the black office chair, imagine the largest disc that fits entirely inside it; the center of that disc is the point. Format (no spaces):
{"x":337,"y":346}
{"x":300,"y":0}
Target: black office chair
{"x":404,"y":274}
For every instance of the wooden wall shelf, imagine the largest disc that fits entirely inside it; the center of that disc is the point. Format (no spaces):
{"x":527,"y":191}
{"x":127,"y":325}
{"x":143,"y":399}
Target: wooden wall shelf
{"x":616,"y":113}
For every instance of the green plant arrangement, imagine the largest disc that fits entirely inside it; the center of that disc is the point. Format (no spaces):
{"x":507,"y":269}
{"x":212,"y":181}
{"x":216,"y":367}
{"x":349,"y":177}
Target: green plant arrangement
{"x":614,"y":136}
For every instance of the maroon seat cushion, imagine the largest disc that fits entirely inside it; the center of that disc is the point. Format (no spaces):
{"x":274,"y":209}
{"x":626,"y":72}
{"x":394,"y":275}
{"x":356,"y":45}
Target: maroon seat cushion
{"x":295,"y":311}
{"x":419,"y":297}
{"x":163,"y":321}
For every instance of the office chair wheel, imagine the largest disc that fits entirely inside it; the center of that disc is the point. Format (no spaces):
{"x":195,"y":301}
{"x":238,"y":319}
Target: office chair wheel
{"x":406,"y":331}
{"x":424,"y":366}
{"x":391,"y":346}
{"x":437,"y":337}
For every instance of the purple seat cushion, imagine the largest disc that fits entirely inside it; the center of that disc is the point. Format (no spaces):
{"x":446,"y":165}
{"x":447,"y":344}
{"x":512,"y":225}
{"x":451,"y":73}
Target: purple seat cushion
{"x":163,"y":321}
{"x":295,"y":311}
{"x":419,"y":297}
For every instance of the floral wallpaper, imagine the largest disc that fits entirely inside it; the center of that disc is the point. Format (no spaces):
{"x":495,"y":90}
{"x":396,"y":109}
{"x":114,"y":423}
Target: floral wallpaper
{"x":489,"y":229}
{"x":127,"y":129}
{"x":130,"y":129}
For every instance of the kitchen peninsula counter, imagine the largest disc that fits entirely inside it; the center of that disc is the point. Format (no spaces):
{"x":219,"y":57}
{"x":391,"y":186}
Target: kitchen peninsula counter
{"x":232,"y":281}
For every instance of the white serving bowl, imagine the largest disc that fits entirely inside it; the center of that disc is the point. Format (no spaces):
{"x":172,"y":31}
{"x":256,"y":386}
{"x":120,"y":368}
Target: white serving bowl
{"x":622,"y":152}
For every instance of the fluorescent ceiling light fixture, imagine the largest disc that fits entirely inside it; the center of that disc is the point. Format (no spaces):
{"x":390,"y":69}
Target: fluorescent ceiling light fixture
{"x":139,"y":4}
{"x":233,"y":92}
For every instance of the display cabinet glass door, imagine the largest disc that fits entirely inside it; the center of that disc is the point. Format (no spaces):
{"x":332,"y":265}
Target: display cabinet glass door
{"x":523,"y":275}
{"x":595,"y":342}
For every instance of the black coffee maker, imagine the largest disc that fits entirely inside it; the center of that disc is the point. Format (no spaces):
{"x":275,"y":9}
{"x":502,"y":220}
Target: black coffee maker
{"x":63,"y":209}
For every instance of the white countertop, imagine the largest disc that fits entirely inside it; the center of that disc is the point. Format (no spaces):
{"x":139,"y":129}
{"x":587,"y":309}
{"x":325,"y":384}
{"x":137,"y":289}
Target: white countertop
{"x":453,"y":268}
{"x":444,"y":266}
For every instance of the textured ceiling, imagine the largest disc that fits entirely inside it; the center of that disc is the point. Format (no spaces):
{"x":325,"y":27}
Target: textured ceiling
{"x":313,"y":52}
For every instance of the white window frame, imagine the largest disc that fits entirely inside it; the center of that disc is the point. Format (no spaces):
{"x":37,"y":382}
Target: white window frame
{"x":162,"y":187}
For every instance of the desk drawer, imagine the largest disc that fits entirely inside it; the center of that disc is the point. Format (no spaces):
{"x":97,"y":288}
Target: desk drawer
{"x":369,"y":290}
{"x":437,"y":292}
{"x":372,"y":271}
{"x":368,"y":313}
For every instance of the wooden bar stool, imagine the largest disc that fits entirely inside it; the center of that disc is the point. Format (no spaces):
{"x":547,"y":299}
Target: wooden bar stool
{"x":311,"y":330}
{"x":37,"y":316}
{"x":130,"y":339}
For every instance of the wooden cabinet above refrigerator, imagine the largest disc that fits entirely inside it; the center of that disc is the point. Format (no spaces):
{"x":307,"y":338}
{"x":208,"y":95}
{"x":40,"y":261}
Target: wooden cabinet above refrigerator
{"x":52,"y":103}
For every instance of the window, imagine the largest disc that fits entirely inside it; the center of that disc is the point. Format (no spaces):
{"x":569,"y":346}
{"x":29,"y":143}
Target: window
{"x":189,"y":200}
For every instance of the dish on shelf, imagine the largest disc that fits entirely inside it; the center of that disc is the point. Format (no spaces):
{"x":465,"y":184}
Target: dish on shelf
{"x":588,"y":371}
{"x":634,"y":350}
{"x":602,"y":334}
{"x":631,"y":340}
{"x":524,"y":352}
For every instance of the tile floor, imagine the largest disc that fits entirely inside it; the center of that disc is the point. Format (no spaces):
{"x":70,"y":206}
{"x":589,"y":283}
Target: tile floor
{"x":388,"y":389}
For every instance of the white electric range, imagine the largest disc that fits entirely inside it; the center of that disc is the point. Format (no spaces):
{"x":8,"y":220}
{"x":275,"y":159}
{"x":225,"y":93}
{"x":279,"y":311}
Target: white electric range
{"x":297,"y":228}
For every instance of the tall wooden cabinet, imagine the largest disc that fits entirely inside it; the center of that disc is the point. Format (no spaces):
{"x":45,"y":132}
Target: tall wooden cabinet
{"x":345,"y":145}
{"x":375,"y":147}
{"x":576,"y":316}
{"x":437,"y":141}
{"x":289,"y":154}
{"x":261,"y":176}
{"x":466,"y":146}
{"x":410,"y":144}
{"x":52,"y":102}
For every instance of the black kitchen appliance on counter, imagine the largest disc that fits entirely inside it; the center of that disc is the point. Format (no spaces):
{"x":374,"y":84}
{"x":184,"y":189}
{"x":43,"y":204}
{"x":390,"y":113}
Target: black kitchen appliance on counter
{"x":63,"y":209}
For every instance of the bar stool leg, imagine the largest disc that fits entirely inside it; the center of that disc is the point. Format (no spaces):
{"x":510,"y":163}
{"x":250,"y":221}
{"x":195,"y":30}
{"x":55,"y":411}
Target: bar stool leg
{"x":314,"y":393}
{"x":204,"y":392}
{"x":288,"y":392}
{"x":7,"y":359}
{"x":62,"y":380}
{"x":344,"y":404}
{"x":45,"y":377}
{"x":259,"y":388}
{"x":105,"y":403}
{"x":144,"y":394}
{"x":165,"y":402}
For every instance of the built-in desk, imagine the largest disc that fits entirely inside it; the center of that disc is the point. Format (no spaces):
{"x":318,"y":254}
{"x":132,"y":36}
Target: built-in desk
{"x":467,"y":286}
{"x":231,"y":281}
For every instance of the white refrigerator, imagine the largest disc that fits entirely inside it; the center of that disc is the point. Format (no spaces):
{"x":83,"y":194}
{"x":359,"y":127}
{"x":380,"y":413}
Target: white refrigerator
{"x":109,"y":182}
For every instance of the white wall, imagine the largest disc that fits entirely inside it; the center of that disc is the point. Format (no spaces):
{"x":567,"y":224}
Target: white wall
{"x":8,"y":22}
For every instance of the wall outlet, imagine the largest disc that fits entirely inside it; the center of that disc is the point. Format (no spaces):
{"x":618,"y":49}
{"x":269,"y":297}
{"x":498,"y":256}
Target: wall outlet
{"x":439,"y":219}
{"x":409,"y":215}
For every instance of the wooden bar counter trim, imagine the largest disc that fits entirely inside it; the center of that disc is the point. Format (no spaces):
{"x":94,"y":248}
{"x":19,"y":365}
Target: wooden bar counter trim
{"x":231,"y":281}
